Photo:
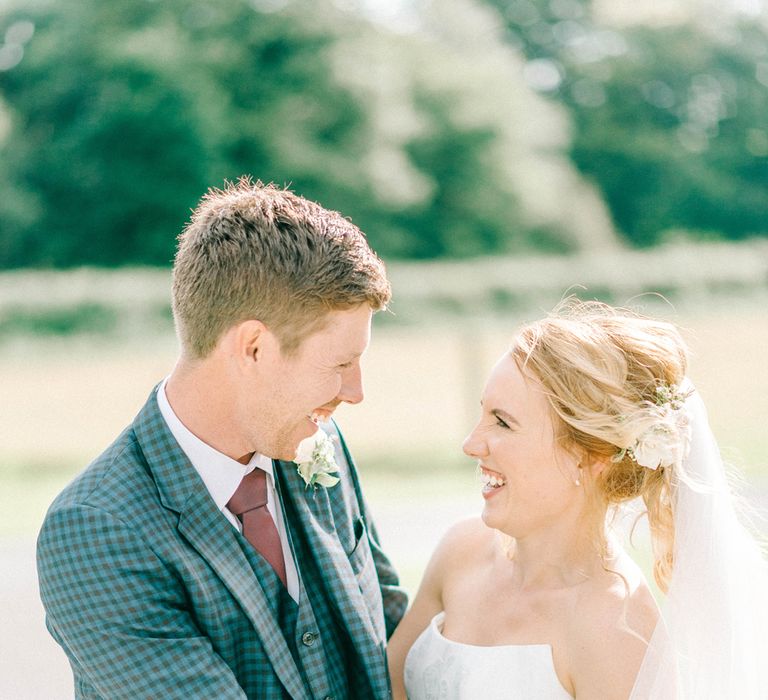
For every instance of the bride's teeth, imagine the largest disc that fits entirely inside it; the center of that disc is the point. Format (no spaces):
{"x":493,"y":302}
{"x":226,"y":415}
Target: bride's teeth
{"x":492,"y":480}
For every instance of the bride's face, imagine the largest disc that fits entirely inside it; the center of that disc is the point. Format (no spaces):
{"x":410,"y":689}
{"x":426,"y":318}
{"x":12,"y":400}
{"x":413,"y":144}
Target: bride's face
{"x":531,"y":477}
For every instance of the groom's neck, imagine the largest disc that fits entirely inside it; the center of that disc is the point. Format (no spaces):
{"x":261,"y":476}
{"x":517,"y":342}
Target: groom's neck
{"x":203,"y":399}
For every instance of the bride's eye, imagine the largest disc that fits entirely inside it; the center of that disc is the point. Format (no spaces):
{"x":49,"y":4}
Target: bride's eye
{"x":501,"y":423}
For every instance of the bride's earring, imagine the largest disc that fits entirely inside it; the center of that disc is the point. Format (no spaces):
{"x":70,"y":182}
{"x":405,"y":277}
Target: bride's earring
{"x":578,"y":478}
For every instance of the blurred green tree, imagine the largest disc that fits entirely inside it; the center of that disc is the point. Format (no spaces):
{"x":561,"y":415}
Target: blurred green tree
{"x":106,"y":143}
{"x":669,"y":121}
{"x":465,"y":207}
{"x":121,"y":115}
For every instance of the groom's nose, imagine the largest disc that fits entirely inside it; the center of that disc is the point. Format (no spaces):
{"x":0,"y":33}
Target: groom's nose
{"x":351,"y":385}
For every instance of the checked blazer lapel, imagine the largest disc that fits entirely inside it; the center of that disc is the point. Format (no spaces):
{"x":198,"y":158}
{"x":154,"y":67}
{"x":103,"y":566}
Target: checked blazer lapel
{"x":339,"y":580}
{"x":182,"y":490}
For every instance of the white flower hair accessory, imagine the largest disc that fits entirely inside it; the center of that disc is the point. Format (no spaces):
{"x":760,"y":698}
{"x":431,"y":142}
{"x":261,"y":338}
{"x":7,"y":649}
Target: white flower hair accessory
{"x":664,"y":437}
{"x":316,"y":460}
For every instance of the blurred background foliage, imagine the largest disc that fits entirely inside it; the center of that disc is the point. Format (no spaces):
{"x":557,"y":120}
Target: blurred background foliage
{"x":444,"y":129}
{"x":498,"y":153}
{"x":669,"y":121}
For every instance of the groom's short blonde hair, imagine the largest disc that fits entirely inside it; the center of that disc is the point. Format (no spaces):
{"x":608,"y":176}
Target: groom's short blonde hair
{"x":254,"y":251}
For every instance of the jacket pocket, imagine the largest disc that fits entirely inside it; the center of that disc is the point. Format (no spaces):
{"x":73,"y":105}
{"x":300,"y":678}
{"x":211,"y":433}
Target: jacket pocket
{"x":360,"y":533}
{"x":364,"y":568}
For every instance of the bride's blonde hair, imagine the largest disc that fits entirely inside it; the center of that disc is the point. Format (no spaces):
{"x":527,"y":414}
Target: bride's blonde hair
{"x":599,"y":366}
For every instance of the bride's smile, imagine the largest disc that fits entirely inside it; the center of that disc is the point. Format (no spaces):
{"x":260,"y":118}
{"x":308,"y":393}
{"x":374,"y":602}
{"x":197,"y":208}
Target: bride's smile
{"x":527,"y":476}
{"x":491,"y":481}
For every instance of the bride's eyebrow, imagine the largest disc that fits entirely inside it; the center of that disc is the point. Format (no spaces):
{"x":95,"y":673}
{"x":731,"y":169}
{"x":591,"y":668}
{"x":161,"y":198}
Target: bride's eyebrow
{"x":506,"y":417}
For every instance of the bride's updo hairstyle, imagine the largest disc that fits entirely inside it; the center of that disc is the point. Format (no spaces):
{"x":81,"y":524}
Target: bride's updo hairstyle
{"x":601,"y":368}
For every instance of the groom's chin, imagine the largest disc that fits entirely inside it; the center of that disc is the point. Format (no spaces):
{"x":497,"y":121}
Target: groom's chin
{"x":283,"y":454}
{"x":286,"y":450}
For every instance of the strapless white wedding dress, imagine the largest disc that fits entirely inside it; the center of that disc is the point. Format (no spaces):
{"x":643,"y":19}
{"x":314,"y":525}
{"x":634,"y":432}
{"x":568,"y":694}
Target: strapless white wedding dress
{"x":438,"y":669}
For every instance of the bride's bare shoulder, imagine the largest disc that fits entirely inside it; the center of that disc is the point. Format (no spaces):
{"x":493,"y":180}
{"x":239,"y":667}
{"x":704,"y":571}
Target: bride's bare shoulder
{"x":466,"y":541}
{"x":609,"y":630}
{"x":458,"y":550}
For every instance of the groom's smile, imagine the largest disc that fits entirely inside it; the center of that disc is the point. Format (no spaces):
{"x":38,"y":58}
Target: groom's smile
{"x":321,"y":415}
{"x":305,"y":388}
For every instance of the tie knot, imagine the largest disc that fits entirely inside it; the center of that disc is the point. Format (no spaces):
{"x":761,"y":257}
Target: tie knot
{"x":251,"y":494}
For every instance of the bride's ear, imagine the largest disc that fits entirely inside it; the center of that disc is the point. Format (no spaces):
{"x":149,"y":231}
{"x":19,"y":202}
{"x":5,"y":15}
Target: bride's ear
{"x":596,"y":464}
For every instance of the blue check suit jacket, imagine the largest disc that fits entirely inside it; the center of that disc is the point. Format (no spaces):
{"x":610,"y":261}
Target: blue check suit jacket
{"x":148,"y":591}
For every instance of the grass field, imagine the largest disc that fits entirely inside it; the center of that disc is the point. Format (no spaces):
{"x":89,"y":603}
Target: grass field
{"x":65,"y":400}
{"x":65,"y":397}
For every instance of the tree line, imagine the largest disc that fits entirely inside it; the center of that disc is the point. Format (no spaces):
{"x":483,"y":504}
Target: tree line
{"x":116,"y":117}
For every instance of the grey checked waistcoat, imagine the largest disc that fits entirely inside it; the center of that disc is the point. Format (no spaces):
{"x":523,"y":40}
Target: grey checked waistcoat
{"x":321,"y":659}
{"x":279,"y":601}
{"x":342,"y":667}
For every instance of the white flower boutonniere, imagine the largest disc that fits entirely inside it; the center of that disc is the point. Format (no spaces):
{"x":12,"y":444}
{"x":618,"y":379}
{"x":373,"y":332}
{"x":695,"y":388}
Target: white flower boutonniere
{"x":316,"y":460}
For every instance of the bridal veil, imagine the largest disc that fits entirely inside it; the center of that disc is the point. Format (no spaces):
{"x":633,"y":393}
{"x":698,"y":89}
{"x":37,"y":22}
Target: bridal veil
{"x":712,"y":640}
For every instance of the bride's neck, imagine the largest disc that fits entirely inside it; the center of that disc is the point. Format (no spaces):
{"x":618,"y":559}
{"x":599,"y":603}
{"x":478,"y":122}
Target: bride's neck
{"x":541,"y":561}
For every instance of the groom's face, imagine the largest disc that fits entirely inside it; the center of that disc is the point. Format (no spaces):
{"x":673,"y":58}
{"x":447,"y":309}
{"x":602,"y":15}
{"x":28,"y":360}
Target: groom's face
{"x":306,"y":387}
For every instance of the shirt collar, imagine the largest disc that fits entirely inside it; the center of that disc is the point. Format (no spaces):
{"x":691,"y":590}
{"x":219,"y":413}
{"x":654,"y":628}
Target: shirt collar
{"x":220,"y":474}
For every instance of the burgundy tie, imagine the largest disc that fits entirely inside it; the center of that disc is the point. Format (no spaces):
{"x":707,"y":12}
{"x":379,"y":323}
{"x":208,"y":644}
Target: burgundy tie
{"x":249,"y":504}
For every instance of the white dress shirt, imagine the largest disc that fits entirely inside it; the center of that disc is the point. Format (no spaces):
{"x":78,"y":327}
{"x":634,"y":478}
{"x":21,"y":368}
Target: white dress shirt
{"x":222,"y":475}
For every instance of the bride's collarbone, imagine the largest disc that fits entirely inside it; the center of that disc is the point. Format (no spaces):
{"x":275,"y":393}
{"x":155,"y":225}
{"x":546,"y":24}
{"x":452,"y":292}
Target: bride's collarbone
{"x":488,"y":603}
{"x":483,"y":609}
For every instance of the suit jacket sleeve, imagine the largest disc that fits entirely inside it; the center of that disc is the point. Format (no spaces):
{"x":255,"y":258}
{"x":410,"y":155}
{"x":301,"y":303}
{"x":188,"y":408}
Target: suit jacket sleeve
{"x":393,"y":595}
{"x":120,"y":612}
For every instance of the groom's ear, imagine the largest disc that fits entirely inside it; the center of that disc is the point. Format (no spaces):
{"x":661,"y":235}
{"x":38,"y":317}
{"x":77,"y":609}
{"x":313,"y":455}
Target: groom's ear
{"x":251,"y":340}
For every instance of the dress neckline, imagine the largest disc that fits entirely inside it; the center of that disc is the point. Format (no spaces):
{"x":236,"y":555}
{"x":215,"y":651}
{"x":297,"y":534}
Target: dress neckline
{"x":525,"y":657}
{"x":437,"y":626}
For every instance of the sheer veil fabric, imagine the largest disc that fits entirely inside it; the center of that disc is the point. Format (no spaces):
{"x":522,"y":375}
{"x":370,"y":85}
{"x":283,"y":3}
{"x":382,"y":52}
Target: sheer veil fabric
{"x":712,"y":640}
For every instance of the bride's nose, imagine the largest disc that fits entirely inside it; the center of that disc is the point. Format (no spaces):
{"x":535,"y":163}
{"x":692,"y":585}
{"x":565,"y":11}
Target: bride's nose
{"x":473,"y":446}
